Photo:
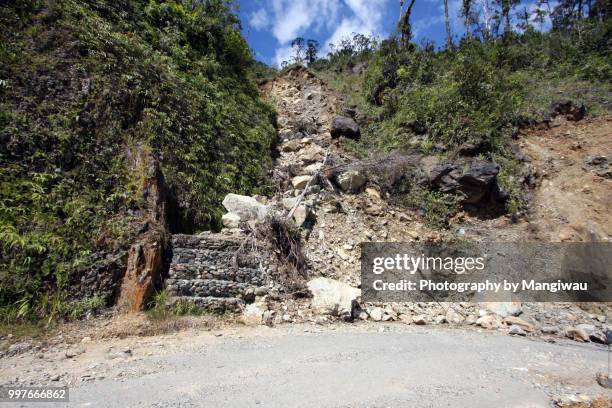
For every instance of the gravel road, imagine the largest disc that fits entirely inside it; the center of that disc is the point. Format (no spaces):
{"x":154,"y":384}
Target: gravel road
{"x":347,"y":366}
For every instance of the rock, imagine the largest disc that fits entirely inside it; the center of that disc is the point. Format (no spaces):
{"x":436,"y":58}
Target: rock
{"x":550,"y":330}
{"x":372,"y":192}
{"x":352,"y":181}
{"x":363,"y":316}
{"x":86,"y":339}
{"x":247,"y":208}
{"x":313,"y":168}
{"x":568,"y":234}
{"x":291,"y":146}
{"x":333,"y":297}
{"x":376,"y":314}
{"x":596,"y":160}
{"x":231,"y":220}
{"x":517,"y":321}
{"x":453,"y":317}
{"x":598,"y":337}
{"x":345,"y":127}
{"x":268,"y":318}
{"x":489,"y":322}
{"x":419,"y":320}
{"x":577,"y":334}
{"x":301,"y":214}
{"x":569,"y":110}
{"x":18,"y":348}
{"x":300,"y":182}
{"x":440,"y":319}
{"x":604,"y":380}
{"x":390,"y":313}
{"x":504,"y":309}
{"x":471,"y":320}
{"x":311,"y":154}
{"x":253,"y":314}
{"x":289,"y":203}
{"x":516,"y":331}
{"x":473,"y":182}
{"x":406,"y":319}
{"x":321,"y":320}
{"x":577,"y":401}
{"x":587,"y":328}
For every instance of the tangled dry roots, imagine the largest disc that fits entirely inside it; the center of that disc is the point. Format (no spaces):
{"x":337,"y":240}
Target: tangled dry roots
{"x":286,"y":240}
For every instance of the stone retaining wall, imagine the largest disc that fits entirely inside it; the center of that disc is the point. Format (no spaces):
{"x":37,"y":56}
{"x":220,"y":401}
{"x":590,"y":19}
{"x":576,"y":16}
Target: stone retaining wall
{"x":203,"y":271}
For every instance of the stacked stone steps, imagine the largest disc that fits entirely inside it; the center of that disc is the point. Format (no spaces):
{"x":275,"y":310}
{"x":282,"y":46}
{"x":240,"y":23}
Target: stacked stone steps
{"x":204,"y":272}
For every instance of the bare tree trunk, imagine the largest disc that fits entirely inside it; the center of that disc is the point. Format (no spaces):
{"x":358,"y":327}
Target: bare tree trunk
{"x":467,"y":6}
{"x":449,"y":34}
{"x":404,"y":25}
{"x":487,"y":18}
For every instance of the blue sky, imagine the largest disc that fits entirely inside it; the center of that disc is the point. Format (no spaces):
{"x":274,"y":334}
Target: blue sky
{"x":270,"y":25}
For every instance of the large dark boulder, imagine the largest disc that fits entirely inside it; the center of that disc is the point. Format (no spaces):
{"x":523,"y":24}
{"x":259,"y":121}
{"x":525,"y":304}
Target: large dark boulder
{"x":473,"y":182}
{"x":345,"y":127}
{"x":569,"y":110}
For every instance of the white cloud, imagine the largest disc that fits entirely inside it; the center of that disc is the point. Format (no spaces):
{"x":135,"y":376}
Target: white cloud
{"x":283,"y":54}
{"x":367,"y":19}
{"x":292,"y":18}
{"x":259,"y":19}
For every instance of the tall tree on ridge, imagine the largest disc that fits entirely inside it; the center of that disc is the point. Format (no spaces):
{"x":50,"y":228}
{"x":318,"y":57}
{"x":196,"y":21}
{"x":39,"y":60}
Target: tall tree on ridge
{"x":487,"y":19}
{"x":466,"y":11}
{"x":312,"y":49}
{"x":449,"y":34}
{"x":404,"y":26}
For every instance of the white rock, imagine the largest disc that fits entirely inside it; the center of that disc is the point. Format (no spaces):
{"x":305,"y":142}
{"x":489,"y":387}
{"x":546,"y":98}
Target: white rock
{"x":230,"y":220}
{"x":419,"y":320}
{"x":516,"y":331}
{"x":247,"y":208}
{"x":489,"y":322}
{"x":332,"y":297}
{"x":452,"y":317}
{"x":301,"y":214}
{"x":300,"y":182}
{"x":504,"y":309}
{"x":376,"y":314}
{"x":372,"y":192}
{"x":253,"y":313}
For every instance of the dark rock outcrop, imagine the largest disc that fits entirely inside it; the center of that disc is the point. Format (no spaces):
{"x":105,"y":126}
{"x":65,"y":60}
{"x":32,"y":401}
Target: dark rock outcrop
{"x":569,"y":110}
{"x":474,"y":182}
{"x":345,"y":127}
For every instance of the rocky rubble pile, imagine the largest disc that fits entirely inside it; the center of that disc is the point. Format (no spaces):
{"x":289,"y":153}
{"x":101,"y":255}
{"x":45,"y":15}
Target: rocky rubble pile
{"x":338,"y":203}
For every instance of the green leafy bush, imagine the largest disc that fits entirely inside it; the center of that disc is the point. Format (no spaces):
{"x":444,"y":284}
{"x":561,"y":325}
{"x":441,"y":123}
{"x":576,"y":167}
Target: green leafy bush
{"x":84,"y":84}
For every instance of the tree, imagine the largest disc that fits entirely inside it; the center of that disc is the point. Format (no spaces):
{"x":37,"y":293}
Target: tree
{"x":487,"y":19}
{"x":466,"y":11}
{"x":449,"y":34}
{"x":312,"y":50}
{"x":524,"y":20}
{"x":506,"y":7}
{"x":404,"y":26}
{"x":298,"y":45}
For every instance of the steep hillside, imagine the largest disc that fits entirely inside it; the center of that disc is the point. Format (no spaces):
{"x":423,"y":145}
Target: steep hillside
{"x":93,"y":94}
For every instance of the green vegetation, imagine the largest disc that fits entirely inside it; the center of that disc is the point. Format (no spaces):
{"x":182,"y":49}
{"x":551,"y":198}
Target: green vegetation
{"x":478,"y":91}
{"x":85,"y":84}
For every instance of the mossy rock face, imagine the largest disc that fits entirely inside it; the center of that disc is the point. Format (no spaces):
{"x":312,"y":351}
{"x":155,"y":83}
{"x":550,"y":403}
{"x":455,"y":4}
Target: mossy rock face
{"x":83,"y":84}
